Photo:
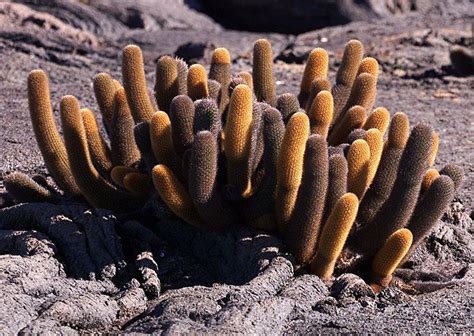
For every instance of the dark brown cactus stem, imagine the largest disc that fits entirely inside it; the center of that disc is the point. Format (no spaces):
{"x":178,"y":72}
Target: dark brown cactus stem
{"x":261,"y":205}
{"x":182,"y":67}
{"x":202,"y":183}
{"x":263,"y":80}
{"x":97,"y":191}
{"x":287,"y":104}
{"x":337,"y":174}
{"x":455,"y":173}
{"x":346,"y":74}
{"x":358,"y":133}
{"x":430,"y":208}
{"x":124,"y":150}
{"x":141,"y":134}
{"x":384,"y":179}
{"x":397,"y":210}
{"x":214,"y":90}
{"x":207,"y":117}
{"x":305,"y":225}
{"x":363,"y":94}
{"x":182,"y":121}
{"x":256,"y":137}
{"x":46,"y":133}
{"x":318,"y":85}
{"x":220,"y":71}
{"x":24,"y":189}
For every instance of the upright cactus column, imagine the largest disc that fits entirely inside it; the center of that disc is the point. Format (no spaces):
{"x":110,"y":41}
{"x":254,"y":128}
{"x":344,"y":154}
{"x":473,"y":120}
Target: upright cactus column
{"x":134,"y":82}
{"x":46,"y":134}
{"x":166,"y":84}
{"x":290,"y":168}
{"x":237,"y":138}
{"x":264,"y":82}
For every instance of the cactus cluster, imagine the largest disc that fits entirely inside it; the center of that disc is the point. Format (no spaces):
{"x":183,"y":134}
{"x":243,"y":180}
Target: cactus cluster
{"x":316,"y":168}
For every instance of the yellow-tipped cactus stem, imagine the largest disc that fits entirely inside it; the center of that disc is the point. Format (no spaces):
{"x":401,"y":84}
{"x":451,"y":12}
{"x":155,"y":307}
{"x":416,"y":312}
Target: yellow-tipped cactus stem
{"x":97,"y":191}
{"x":117,"y":84}
{"x":23,"y":189}
{"x":290,"y":168}
{"x":386,"y":174}
{"x":220,"y":71}
{"x":247,"y":77}
{"x":237,"y":137}
{"x":166,"y":84}
{"x":379,"y":119}
{"x":124,"y":150}
{"x":354,"y":118}
{"x":175,"y":195}
{"x":118,"y":173}
{"x":434,"y":149}
{"x":334,"y":234}
{"x":162,"y":141}
{"x":318,"y":85}
{"x":134,"y":82}
{"x":346,"y":74}
{"x":389,"y":256}
{"x":363,"y":93}
{"x":369,"y":65}
{"x":137,"y":183}
{"x":358,"y":160}
{"x":399,"y":131}
{"x":431,"y":175}
{"x":316,"y":67}
{"x":100,"y":152}
{"x":320,"y":113}
{"x":263,"y":80}
{"x":197,"y":82}
{"x":374,"y":139}
{"x":46,"y":134}
{"x":104,"y":90}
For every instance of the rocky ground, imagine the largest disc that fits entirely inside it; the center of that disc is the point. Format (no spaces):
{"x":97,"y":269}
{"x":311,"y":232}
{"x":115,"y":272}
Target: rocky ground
{"x":241,"y":282}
